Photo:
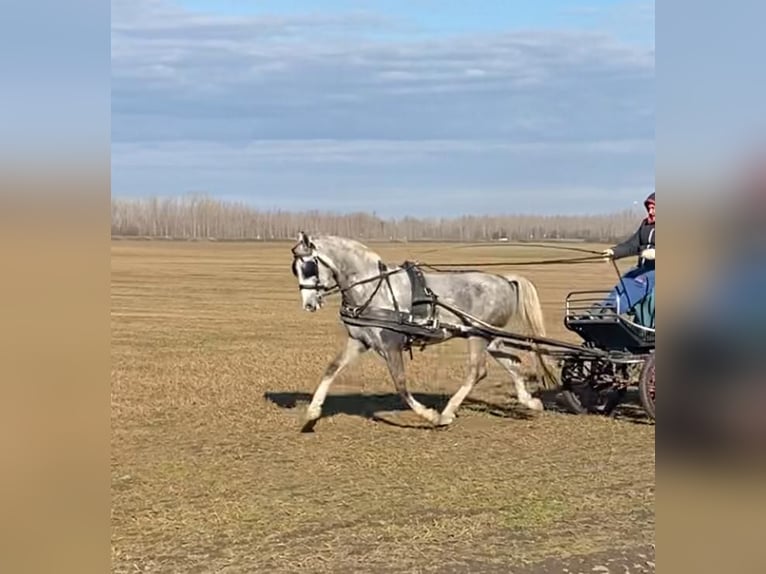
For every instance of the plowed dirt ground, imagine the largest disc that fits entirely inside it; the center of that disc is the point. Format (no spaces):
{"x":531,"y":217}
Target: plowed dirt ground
{"x":213,"y":361}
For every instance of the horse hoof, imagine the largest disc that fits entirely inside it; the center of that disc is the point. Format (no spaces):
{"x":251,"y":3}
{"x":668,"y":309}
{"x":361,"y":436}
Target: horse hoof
{"x":536,"y":404}
{"x":445,"y":420}
{"x":309,"y":425}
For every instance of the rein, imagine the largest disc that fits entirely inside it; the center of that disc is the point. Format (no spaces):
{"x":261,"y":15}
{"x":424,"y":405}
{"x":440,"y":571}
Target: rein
{"x":568,"y":260}
{"x":385,"y":273}
{"x":523,"y":244}
{"x":591,"y":257}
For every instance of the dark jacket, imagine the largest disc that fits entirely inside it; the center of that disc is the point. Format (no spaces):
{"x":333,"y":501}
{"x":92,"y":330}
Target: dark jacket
{"x":643,"y":238}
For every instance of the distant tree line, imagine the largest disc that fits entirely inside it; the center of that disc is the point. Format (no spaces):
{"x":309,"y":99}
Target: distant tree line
{"x":199,"y":217}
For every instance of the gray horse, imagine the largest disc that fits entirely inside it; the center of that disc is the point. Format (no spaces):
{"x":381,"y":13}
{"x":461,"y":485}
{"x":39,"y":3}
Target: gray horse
{"x":328,"y":263}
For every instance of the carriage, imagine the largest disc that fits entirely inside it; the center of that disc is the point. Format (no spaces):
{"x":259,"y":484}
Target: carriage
{"x":597,"y":382}
{"x":393,"y":309}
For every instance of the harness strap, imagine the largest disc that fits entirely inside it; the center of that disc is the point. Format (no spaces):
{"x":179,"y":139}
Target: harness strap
{"x":359,"y":310}
{"x":423,"y":299}
{"x":382,"y":267}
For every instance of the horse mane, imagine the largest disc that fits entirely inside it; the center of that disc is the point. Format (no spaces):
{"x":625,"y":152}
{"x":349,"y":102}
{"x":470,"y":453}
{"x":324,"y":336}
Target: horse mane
{"x":337,"y":243}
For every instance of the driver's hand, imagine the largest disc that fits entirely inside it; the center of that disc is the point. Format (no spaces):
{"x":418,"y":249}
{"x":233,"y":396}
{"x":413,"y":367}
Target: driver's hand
{"x":648,"y":253}
{"x":608,"y":253}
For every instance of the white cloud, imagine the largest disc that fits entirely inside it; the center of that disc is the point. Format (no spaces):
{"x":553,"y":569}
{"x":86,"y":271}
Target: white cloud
{"x":220,"y":156}
{"x":327,"y":96}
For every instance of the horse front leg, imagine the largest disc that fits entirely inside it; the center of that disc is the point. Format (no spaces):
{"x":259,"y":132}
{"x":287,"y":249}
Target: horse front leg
{"x":353,"y":350}
{"x":477,"y":370}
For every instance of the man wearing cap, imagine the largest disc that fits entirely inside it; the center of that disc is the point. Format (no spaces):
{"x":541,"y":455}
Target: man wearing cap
{"x":638,"y":282}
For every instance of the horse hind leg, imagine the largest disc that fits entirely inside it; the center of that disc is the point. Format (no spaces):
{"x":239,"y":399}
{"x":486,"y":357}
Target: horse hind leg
{"x":477,"y":370}
{"x":511,"y":364}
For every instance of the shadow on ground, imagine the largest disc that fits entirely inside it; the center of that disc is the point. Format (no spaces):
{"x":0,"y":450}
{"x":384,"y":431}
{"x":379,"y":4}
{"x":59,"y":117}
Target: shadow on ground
{"x":371,"y":406}
{"x":630,"y":408}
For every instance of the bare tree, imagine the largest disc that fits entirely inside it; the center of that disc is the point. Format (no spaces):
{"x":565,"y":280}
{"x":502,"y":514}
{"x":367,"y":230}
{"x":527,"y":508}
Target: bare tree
{"x":197,"y":216}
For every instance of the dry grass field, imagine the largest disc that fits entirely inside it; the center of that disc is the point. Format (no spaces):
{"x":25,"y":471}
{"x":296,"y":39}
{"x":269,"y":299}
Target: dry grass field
{"x":213,"y":362}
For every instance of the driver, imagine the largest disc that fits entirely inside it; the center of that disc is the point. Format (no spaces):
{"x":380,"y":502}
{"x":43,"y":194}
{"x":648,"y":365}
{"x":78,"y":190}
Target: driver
{"x":638,"y":282}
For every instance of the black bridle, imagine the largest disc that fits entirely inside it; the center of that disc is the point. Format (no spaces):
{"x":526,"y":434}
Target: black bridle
{"x":309,"y":265}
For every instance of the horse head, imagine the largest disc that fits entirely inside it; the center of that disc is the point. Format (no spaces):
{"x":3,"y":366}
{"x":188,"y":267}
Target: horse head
{"x":316,"y":274}
{"x":328,"y":263}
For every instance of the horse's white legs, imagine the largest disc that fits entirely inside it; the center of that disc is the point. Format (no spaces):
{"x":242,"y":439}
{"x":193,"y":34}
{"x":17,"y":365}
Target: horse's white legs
{"x":477,"y":370}
{"x":395,"y":363}
{"x":353,"y":350}
{"x":510,"y":363}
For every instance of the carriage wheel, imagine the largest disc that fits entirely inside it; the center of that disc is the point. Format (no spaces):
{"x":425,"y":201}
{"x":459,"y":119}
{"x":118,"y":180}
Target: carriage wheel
{"x":583,"y":392}
{"x":573,"y":373}
{"x":646,"y":388}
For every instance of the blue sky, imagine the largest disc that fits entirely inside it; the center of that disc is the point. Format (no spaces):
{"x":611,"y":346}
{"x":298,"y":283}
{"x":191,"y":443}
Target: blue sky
{"x":426,"y":107}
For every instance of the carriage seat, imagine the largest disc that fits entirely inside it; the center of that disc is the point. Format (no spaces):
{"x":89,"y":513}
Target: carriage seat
{"x":603,"y":326}
{"x":643,"y":313}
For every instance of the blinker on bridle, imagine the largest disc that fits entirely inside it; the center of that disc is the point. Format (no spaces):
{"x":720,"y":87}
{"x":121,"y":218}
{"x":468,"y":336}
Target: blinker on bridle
{"x":310,"y":270}
{"x":309,"y":267}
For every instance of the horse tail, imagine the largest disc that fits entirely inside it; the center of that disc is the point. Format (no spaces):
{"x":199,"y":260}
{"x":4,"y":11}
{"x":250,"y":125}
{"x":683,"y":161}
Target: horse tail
{"x":530,"y":313}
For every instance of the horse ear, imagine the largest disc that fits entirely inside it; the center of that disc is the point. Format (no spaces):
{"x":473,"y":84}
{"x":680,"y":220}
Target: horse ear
{"x":304,"y":238}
